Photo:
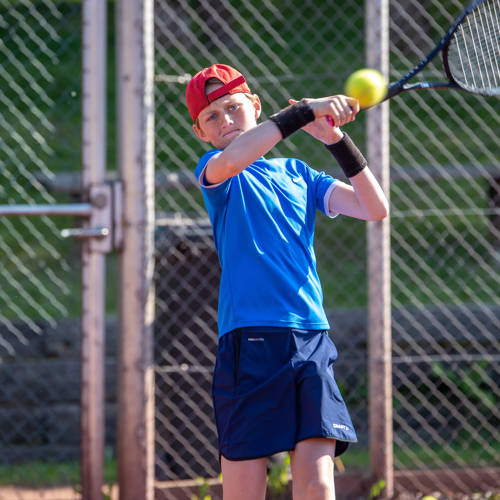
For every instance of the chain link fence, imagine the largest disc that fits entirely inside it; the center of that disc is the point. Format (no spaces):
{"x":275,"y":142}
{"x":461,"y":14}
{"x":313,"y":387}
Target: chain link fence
{"x":445,"y":262}
{"x":445,"y":231}
{"x":40,"y":142}
{"x":445,"y":235}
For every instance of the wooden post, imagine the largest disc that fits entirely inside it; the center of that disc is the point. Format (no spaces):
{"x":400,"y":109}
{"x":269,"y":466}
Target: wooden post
{"x":93,"y":260}
{"x":135,"y":76}
{"x":379,"y":260}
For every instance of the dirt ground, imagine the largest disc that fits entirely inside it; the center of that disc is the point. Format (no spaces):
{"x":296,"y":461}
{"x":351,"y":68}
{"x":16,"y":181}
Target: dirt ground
{"x":68,"y":493}
{"x":437,"y":495}
{"x":61,"y":493}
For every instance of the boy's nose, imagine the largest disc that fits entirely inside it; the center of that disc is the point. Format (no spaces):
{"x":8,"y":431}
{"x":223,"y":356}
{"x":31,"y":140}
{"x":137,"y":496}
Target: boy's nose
{"x":227,"y":118}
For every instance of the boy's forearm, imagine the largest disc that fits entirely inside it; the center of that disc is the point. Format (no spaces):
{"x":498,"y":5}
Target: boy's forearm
{"x":258,"y":141}
{"x":247,"y":148}
{"x":362,"y":199}
{"x":370,"y":196}
{"x":309,"y":114}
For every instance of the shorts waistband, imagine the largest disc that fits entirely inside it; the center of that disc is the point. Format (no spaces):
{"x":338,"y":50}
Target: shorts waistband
{"x":276,"y":329}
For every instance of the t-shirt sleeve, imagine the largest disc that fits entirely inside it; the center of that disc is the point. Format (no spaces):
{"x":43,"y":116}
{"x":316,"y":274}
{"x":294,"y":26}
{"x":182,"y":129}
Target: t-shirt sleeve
{"x":216,"y":193}
{"x":322,"y":185}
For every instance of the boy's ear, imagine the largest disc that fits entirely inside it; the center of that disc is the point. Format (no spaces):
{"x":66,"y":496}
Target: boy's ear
{"x":257,"y":106}
{"x":199,"y":132}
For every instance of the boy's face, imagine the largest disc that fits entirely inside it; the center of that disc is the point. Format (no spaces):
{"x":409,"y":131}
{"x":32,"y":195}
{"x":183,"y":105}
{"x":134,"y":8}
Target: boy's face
{"x":226,"y":118}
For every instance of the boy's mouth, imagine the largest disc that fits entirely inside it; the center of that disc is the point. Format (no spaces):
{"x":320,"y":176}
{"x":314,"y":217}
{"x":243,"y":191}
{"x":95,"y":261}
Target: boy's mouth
{"x":231,"y":132}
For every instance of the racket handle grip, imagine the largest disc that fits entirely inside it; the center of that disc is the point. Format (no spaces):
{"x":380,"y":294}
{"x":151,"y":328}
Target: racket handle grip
{"x":329,"y":119}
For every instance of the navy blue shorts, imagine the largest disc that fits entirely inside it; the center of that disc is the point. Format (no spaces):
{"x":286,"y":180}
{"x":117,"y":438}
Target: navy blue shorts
{"x":274,"y":387}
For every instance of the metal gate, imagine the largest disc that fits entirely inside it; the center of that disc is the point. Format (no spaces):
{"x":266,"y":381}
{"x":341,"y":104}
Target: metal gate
{"x":54,"y":82}
{"x":33,"y":44}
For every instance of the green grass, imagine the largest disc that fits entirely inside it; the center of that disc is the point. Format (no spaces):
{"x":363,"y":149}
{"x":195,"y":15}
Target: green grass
{"x":41,"y":473}
{"x":357,"y":457}
{"x":456,"y":454}
{"x":461,"y":454}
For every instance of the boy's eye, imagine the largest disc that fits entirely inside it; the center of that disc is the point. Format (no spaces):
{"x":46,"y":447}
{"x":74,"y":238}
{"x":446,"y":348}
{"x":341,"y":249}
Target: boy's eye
{"x":233,"y":107}
{"x":211,"y":117}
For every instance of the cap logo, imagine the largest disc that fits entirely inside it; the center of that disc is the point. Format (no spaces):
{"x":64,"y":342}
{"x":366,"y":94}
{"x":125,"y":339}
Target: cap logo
{"x":225,"y":89}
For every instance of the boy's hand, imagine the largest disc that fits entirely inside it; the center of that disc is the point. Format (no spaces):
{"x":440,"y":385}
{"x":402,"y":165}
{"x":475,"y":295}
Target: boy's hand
{"x":341,"y":109}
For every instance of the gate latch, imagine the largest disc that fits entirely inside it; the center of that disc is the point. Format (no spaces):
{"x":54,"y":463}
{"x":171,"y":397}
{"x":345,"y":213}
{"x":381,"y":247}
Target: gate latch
{"x":104,"y":225}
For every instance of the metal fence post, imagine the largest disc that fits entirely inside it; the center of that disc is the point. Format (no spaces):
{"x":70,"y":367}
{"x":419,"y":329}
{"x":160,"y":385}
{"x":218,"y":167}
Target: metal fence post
{"x":136,"y":163}
{"x":379,"y":259}
{"x":93,"y":261}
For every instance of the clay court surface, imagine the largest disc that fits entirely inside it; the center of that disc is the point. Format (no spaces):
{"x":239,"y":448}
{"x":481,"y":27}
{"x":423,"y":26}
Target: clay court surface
{"x":60,"y":493}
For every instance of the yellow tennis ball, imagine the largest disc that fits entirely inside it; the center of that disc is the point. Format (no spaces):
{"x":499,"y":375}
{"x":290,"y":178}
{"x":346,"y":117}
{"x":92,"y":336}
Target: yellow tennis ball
{"x":367,"y":86}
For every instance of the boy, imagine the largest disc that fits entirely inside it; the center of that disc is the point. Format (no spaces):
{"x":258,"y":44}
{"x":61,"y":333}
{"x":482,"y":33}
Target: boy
{"x":273,"y":387}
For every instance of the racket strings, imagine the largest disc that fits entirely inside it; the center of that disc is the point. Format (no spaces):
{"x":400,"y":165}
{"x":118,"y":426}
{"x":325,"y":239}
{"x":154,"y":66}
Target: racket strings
{"x":474,"y":52}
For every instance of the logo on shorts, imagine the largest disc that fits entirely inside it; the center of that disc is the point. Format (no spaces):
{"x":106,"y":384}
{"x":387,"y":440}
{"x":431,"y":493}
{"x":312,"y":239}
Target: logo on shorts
{"x":255,"y":339}
{"x":341,"y":426}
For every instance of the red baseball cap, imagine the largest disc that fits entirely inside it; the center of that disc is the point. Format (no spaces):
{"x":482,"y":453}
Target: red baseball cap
{"x":196,"y":97}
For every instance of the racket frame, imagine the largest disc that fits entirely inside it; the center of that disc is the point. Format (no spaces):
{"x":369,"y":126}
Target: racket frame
{"x":443,"y":45}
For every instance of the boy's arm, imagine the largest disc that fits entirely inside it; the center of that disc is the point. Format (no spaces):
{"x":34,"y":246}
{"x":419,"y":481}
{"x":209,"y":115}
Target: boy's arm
{"x":363,"y":199}
{"x":243,"y":151}
{"x":258,"y":141}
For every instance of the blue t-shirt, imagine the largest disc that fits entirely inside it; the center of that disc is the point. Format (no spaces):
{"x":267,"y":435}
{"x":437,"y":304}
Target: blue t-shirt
{"x":263,"y":226}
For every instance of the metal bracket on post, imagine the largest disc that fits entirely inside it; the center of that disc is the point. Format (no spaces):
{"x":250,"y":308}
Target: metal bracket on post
{"x":117,"y":214}
{"x":101,"y":199}
{"x":104,"y":224}
{"x":103,"y":216}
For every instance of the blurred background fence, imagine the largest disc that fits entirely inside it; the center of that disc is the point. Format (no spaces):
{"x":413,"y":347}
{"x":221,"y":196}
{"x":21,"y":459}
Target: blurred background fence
{"x":445,"y":237}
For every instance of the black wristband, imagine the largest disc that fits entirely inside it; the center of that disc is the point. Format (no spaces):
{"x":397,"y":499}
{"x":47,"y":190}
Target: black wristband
{"x":293,"y":118}
{"x":348,"y":156}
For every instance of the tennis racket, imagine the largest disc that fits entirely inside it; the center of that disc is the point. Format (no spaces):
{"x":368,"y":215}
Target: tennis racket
{"x":470,"y":51}
{"x":471,"y":55}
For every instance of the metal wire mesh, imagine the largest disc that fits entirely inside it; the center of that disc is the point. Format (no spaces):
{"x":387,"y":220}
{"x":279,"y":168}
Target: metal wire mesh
{"x":445,"y":261}
{"x":39,"y":136}
{"x":445,"y":233}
